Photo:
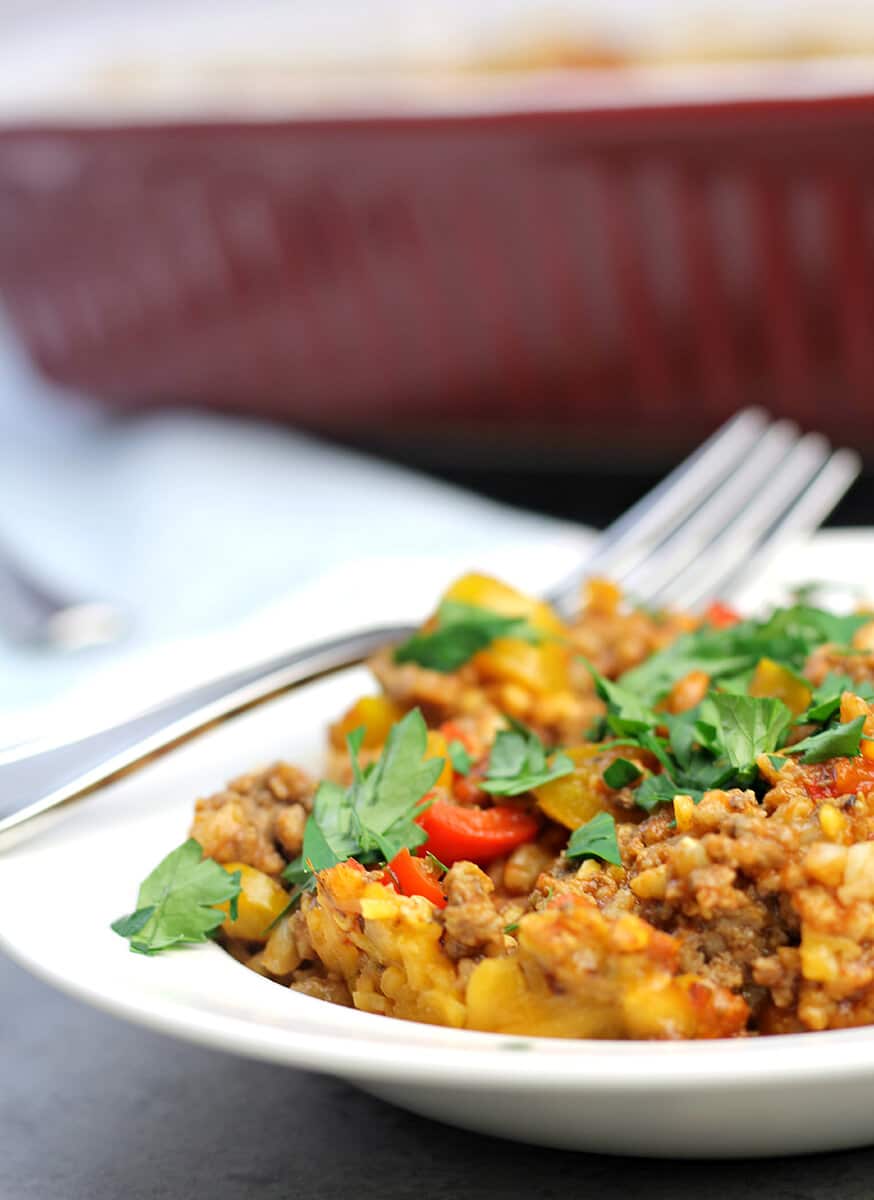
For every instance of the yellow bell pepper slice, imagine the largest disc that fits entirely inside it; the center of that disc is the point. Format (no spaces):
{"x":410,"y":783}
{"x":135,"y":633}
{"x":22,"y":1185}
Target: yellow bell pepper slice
{"x":376,"y":714}
{"x":438,"y":747}
{"x":486,"y":592}
{"x":260,"y":902}
{"x":770,"y":679}
{"x":575,"y":799}
{"x":541,"y":668}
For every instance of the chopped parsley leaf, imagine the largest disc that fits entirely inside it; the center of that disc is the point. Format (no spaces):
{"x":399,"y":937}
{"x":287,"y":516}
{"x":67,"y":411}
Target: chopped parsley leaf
{"x":621,"y":773}
{"x":461,"y":631}
{"x":375,"y":816}
{"x":826,"y":700}
{"x":787,"y":636}
{"x":177,"y":902}
{"x":838,"y":741}
{"x":627,"y":714}
{"x":713,"y":745}
{"x":745,"y":727}
{"x":459,"y":757}
{"x":661,"y":789}
{"x":596,"y":839}
{"x":436,"y":863}
{"x":519,"y":762}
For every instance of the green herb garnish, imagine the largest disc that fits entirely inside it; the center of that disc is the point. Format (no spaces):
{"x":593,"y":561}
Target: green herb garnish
{"x":627,"y":714}
{"x":745,"y":727}
{"x":459,"y":757}
{"x":716,"y":744}
{"x":460,"y":632}
{"x":519,"y":763}
{"x":435,"y":862}
{"x":838,"y":741}
{"x":621,"y":773}
{"x":176,"y":902}
{"x":375,"y":816}
{"x":787,"y":636}
{"x":661,"y":789}
{"x":596,"y":839}
{"x":826,"y":700}
{"x":713,"y":745}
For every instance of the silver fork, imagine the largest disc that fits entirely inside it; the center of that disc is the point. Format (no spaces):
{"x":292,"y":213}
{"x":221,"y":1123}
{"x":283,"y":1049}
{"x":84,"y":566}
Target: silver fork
{"x":751,"y":485}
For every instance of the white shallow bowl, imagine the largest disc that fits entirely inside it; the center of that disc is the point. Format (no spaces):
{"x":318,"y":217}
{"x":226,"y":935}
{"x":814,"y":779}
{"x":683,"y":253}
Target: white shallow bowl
{"x":61,"y":888}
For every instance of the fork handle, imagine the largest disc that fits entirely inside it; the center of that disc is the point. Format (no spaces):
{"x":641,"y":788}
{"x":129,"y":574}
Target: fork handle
{"x":39,"y":777}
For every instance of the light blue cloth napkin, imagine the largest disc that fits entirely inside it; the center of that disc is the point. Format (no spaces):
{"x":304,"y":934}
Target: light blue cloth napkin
{"x":193,"y":524}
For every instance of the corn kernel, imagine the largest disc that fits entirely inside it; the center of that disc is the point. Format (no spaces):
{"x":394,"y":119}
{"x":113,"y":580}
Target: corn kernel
{"x":378,"y":910}
{"x":832,"y":821}
{"x":818,"y":962}
{"x":523,"y":866}
{"x":859,"y":873}
{"x":689,"y":855}
{"x":650,"y":884}
{"x":822,"y":955}
{"x":825,"y":863}
{"x":813,"y":1012}
{"x":684,"y":808}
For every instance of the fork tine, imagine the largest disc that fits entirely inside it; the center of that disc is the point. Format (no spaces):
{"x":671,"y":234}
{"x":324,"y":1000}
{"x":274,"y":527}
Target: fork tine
{"x":795,"y":506}
{"x":730,"y":541}
{"x":628,"y":538}
{"x":679,"y":550}
{"x":824,"y":493}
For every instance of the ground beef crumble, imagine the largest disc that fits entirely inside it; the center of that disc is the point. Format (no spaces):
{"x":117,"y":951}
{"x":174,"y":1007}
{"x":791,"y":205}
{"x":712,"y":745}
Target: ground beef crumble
{"x":257,"y":819}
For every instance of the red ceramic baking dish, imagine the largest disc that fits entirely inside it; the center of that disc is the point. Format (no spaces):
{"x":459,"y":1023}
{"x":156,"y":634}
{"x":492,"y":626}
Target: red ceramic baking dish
{"x":607,"y":271}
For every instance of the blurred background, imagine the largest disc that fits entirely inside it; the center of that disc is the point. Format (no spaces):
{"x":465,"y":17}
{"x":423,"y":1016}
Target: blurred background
{"x":275,"y":281}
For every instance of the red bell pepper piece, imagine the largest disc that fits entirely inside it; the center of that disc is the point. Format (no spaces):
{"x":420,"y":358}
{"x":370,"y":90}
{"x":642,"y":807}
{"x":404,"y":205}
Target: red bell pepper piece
{"x":413,"y":877}
{"x":721,"y":616}
{"x":477,"y":835}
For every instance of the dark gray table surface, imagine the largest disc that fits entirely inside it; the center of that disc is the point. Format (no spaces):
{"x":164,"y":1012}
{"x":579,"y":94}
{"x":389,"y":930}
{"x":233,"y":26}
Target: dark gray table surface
{"x":94,"y":1109}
